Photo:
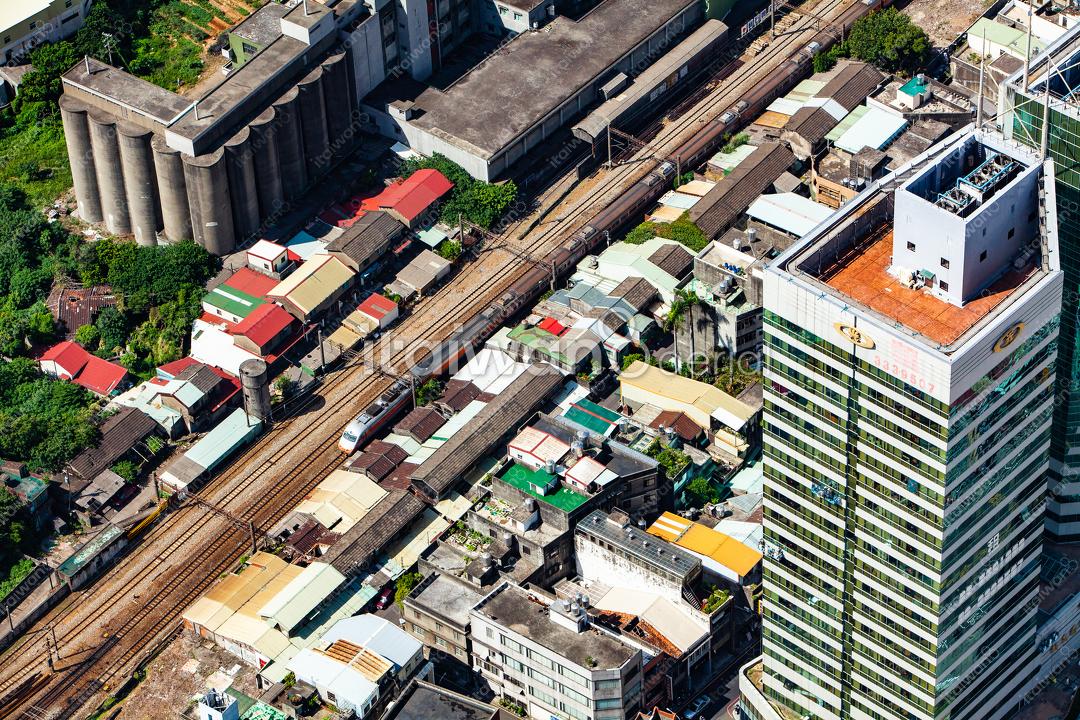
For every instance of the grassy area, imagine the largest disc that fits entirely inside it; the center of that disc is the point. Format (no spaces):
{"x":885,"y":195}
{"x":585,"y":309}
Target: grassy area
{"x":18,"y":572}
{"x":35,"y":158}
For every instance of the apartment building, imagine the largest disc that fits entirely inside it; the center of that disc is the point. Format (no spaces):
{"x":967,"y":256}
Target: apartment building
{"x":545,"y":656}
{"x":910,"y":348}
{"x":25,"y":25}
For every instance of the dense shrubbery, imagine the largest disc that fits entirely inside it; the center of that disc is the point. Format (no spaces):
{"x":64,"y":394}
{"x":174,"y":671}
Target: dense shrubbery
{"x":682,"y":231}
{"x":479,"y":202}
{"x":888,"y":39}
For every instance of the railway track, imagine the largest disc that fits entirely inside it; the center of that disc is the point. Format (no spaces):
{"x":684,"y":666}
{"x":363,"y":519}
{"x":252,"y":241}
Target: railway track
{"x":208,"y":543}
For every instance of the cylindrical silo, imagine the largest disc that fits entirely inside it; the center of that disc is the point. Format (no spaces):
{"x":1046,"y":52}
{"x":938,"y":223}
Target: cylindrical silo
{"x":340,"y":107}
{"x":172,"y":190}
{"x":289,"y":138}
{"x":109,"y":172}
{"x":81,"y":157}
{"x":241,"y":169}
{"x":267,"y":170}
{"x":140,"y":183}
{"x":211,"y":205}
{"x":255,"y":385}
{"x":313,"y":122}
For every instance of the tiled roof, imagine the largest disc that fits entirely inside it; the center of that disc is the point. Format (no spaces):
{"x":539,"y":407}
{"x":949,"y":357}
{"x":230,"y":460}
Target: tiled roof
{"x":638,"y":292}
{"x":683,"y":426}
{"x":119,"y":434}
{"x":723,"y":205}
{"x":390,"y":516}
{"x":513,"y":406}
{"x":368,"y":238}
{"x":457,"y":394}
{"x":420,"y":424}
{"x":853,"y":82}
{"x":377,"y":306}
{"x":394,"y":453}
{"x":674,"y":259}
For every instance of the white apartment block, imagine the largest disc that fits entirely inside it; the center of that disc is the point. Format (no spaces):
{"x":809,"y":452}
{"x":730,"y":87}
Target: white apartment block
{"x":910,"y":348}
{"x":544,"y":656}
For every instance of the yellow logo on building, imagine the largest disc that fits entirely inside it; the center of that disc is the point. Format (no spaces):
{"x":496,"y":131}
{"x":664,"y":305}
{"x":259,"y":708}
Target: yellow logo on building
{"x":1008,"y":337}
{"x":854,"y":335}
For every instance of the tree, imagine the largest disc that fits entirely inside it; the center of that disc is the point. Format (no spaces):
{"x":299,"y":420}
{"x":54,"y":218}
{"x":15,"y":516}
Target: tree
{"x":405,"y":585}
{"x":112,"y":325}
{"x":449,"y":249}
{"x":426,"y":393}
{"x":699,"y":492}
{"x":88,"y":336}
{"x":127,"y":470}
{"x":890,"y":40}
{"x":43,"y":83}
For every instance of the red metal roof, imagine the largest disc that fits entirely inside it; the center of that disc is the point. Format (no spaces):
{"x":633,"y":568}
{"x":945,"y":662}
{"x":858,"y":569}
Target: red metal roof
{"x":174,"y":368}
{"x":413,"y":196}
{"x":251,"y":282}
{"x":552,"y":326}
{"x":264,"y":324}
{"x":70,"y":356}
{"x":100,"y":376}
{"x":377,"y":306}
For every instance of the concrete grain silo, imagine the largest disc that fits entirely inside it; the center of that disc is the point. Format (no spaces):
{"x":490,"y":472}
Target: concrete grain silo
{"x":109,"y":172}
{"x":81,"y":157}
{"x":172,"y":188}
{"x":337,"y":95}
{"x":211,"y":203}
{"x":140,"y":182}
{"x":313,"y":122}
{"x":289,"y":139}
{"x":240,"y":165}
{"x":267,"y":169}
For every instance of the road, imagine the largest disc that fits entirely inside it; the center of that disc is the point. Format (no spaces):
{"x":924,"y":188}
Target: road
{"x":104,"y":632}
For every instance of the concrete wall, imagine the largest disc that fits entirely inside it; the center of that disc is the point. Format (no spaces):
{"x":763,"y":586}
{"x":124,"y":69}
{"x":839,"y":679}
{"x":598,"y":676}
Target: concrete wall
{"x":140,"y":182}
{"x":211,"y":202}
{"x":366,"y":55}
{"x":597,"y":563}
{"x":110,"y":174}
{"x":243,"y":191}
{"x":172,"y":191}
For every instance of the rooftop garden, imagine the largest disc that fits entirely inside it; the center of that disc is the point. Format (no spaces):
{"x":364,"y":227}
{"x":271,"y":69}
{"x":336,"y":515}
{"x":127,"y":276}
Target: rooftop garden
{"x":673,"y":461}
{"x":716,"y":599}
{"x":527,"y":481}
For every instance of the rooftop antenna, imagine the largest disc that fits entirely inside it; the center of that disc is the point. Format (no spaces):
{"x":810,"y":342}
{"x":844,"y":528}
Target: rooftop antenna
{"x":86,"y":59}
{"x":1027,"y":50}
{"x":195,"y":107}
{"x":307,"y":12}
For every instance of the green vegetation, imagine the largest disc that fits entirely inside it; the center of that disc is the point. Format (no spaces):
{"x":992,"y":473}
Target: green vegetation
{"x":631,"y":359}
{"x":479,"y":202}
{"x":682,"y":230}
{"x":684,"y":300}
{"x":735,"y":143}
{"x":514,"y":707}
{"x":699,"y":492}
{"x":284,"y":387}
{"x":405,"y":585}
{"x":126,"y":469}
{"x":671,"y":460}
{"x":888,"y":39}
{"x":15,"y":575}
{"x":428,"y":392}
{"x":716,"y":599}
{"x":42,"y":422}
{"x":449,"y":249}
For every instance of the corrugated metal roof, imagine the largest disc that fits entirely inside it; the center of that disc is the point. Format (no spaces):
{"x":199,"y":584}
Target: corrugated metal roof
{"x":313,"y":282}
{"x":718,"y":210}
{"x":302,"y":595}
{"x":523,"y":397}
{"x":224,"y":439}
{"x":790,"y":212}
{"x":368,"y":238}
{"x":874,"y":129}
{"x":389,"y":517}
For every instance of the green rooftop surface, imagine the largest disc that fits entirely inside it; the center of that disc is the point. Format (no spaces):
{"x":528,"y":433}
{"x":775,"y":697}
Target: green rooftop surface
{"x":29,"y":487}
{"x":539,"y":340}
{"x":88,"y":551}
{"x":233,"y":301}
{"x":527,"y":480}
{"x":914,"y":86}
{"x":591,"y":416}
{"x":261,"y":711}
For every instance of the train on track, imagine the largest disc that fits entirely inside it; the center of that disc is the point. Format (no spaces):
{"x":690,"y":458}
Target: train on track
{"x":375,"y":416}
{"x":632,"y":204}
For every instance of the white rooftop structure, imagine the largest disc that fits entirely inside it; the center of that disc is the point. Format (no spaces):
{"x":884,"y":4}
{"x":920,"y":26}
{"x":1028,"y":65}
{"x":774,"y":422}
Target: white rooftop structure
{"x":673,"y":621}
{"x":789,"y":212}
{"x":491,"y":371}
{"x":213,"y":346}
{"x":875,"y":129}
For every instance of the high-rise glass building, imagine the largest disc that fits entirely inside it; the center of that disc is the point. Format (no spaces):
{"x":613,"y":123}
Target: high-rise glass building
{"x":1022,"y":107}
{"x":910,"y":354}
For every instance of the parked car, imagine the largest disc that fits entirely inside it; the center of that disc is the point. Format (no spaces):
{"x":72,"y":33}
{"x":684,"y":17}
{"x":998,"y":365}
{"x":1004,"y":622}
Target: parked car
{"x":697,"y":708}
{"x":385,"y":597}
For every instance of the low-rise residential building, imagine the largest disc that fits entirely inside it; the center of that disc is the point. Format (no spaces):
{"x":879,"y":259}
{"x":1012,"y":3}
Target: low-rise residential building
{"x":437,"y":613}
{"x":70,"y":361}
{"x":239,"y":295}
{"x":313,"y":287}
{"x":545,"y":656}
{"x":360,"y":664}
{"x":421,"y":274}
{"x":25,"y":25}
{"x":421,"y":700}
{"x":271,"y":259}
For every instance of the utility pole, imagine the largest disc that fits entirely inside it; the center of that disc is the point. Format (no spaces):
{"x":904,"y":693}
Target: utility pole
{"x":982,"y":68}
{"x":609,"y":145}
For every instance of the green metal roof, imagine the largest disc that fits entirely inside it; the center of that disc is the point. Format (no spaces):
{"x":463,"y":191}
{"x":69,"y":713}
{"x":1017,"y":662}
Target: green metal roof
{"x":233,"y":301}
{"x":914,"y":86}
{"x":261,"y":711}
{"x":592,"y":416}
{"x":527,"y":480}
{"x":88,"y":551}
{"x":845,"y":124}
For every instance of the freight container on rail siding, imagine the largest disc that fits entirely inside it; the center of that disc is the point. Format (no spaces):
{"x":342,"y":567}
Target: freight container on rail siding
{"x":631,"y":205}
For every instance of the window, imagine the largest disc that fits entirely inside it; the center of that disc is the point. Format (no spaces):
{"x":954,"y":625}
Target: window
{"x":945,"y":263}
{"x":502,"y":10}
{"x":911,"y":246}
{"x":982,"y":256}
{"x":440,"y":642}
{"x":1012,"y":231}
{"x":490,"y":633}
{"x":944,"y":286}
{"x":67,"y":4}
{"x":517,"y":16}
{"x":33,"y":24}
{"x":613,"y":704}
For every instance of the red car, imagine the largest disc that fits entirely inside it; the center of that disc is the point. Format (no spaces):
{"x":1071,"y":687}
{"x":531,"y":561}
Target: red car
{"x":385,"y":597}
